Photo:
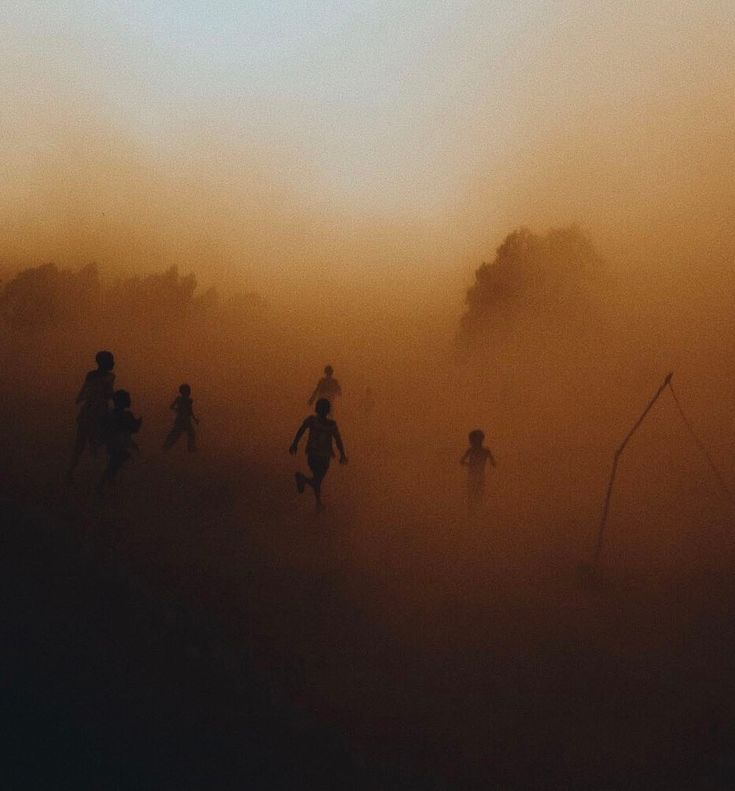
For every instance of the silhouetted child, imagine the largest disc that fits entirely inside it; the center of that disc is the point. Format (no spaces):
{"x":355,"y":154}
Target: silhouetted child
{"x":119,"y":425}
{"x":184,"y":408}
{"x":327,"y":387}
{"x":475,"y":458}
{"x":94,"y":396}
{"x":319,"y":452}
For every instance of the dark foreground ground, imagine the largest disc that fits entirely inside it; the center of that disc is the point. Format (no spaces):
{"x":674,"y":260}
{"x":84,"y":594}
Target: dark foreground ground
{"x":201,"y":629}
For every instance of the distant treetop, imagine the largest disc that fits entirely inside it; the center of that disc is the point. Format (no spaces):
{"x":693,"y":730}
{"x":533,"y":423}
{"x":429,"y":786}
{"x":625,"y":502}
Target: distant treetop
{"x":539,"y":274}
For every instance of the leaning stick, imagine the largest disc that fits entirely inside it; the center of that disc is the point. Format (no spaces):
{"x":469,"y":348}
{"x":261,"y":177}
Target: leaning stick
{"x":698,"y":442}
{"x":616,"y":458}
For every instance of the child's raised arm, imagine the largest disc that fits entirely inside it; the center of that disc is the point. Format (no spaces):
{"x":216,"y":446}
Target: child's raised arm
{"x":491,"y":457}
{"x":295,"y":444}
{"x":463,"y":460}
{"x":174,"y":403}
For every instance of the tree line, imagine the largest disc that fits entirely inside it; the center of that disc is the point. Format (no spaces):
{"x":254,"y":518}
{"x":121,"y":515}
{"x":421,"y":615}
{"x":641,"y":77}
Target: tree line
{"x":50,"y":297}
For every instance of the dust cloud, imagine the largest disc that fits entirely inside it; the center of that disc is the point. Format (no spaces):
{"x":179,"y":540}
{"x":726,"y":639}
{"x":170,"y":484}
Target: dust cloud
{"x":401,"y":643}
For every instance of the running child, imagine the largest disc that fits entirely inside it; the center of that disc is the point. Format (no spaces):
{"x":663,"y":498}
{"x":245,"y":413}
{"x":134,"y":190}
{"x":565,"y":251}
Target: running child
{"x":319,"y":452}
{"x":327,"y":387}
{"x":94,"y":396}
{"x":118,"y":427}
{"x":183,"y":405}
{"x":475,"y":458}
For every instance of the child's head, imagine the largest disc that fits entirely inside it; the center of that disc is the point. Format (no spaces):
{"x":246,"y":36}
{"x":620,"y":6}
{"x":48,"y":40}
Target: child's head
{"x":328,"y":370}
{"x":477,"y":437}
{"x":322,"y":407}
{"x":185,"y":390}
{"x":105,"y":361}
{"x":121,"y":399}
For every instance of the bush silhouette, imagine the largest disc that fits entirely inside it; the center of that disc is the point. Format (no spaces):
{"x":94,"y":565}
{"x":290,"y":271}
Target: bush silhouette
{"x":546,"y":275}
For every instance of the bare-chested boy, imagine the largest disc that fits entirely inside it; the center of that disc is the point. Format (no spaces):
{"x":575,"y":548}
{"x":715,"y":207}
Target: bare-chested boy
{"x":322,"y":431}
{"x":327,"y":387}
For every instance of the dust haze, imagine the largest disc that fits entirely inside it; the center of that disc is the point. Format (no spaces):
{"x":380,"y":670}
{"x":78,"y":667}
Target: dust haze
{"x":401,"y":642}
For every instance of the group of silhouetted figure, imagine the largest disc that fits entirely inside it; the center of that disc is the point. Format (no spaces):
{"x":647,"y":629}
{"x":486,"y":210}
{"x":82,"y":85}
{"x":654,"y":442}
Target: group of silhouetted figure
{"x":105,"y":420}
{"x":99,"y":426}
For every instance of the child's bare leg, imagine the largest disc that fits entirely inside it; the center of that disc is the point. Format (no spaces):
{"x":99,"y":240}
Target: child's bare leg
{"x":316,"y":482}
{"x":318,"y":469}
{"x":172,"y":438}
{"x":191,"y":439}
{"x":316,"y":485}
{"x":80,"y":442}
{"x":109,"y":477}
{"x":308,"y":481}
{"x":475,"y":492}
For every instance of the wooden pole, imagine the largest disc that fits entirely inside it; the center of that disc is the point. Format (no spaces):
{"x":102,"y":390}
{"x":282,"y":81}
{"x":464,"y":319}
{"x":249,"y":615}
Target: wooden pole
{"x":616,"y":459}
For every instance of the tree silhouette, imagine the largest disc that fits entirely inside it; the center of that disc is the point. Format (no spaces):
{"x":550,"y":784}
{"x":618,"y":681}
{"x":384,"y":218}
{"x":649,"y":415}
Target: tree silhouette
{"x":158,"y":298}
{"x":46,"y":296}
{"x":545,"y":275}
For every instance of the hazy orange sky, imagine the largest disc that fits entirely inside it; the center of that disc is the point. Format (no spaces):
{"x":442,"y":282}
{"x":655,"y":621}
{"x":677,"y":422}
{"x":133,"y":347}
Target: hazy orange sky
{"x":296,"y":139}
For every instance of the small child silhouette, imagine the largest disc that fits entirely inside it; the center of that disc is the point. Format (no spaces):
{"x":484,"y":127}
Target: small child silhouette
{"x":183,"y":405}
{"x":94,"y":395}
{"x":118,"y":428}
{"x":475,"y":458}
{"x":322,"y":430}
{"x":327,"y":387}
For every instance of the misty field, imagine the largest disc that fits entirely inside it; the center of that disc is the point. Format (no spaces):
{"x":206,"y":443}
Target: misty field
{"x":509,"y":218}
{"x":201,"y":626}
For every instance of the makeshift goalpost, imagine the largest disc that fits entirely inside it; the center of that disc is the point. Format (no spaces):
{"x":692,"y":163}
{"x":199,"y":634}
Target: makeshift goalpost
{"x":665,"y":385}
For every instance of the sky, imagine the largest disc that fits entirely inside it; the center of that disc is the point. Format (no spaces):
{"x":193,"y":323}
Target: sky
{"x":443,"y":116}
{"x":366,"y":98}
